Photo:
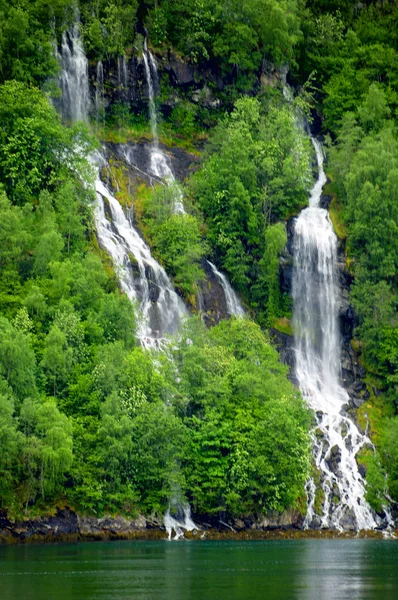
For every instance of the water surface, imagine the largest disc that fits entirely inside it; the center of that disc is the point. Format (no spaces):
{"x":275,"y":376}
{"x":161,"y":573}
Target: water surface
{"x":200,"y":570}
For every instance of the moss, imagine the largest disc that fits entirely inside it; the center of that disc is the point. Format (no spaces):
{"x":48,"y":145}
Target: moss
{"x":283,"y":325}
{"x":357,"y":345}
{"x":372,"y":413}
{"x":133,"y":134}
{"x":120,"y":181}
{"x":319,"y":500}
{"x":108,"y":264}
{"x":335,"y":212}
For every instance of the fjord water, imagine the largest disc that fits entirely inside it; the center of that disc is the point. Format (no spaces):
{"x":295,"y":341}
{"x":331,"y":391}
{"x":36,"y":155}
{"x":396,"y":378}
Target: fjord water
{"x":295,"y":569}
{"x":317,"y":345}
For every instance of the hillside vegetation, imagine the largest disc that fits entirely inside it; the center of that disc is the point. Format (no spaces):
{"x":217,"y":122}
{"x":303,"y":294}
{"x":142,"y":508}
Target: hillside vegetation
{"x":90,"y":419}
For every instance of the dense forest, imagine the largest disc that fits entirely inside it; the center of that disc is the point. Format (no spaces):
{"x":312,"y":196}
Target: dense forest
{"x":91,"y":419}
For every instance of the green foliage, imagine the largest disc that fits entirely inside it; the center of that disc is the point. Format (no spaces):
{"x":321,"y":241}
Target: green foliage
{"x":33,"y":144}
{"x":108,"y":26}
{"x":255,"y":171}
{"x":349,"y":49}
{"x":175,"y":236}
{"x":365,"y":169}
{"x":241,"y":412}
{"x":234,"y":34}
{"x":389,"y":450}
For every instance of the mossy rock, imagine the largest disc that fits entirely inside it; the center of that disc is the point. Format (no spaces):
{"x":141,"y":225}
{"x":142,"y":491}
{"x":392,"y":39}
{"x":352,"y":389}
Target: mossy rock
{"x":283,"y":325}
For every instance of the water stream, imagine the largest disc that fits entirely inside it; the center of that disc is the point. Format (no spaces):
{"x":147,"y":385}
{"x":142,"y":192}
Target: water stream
{"x":73,"y":80}
{"x":159,"y":166}
{"x":234,"y":307}
{"x":337,"y":439}
{"x":140,"y":275}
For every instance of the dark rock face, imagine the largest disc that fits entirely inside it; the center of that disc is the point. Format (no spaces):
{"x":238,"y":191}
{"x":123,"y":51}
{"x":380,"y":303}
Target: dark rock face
{"x":66,"y":524}
{"x":180,"y":72}
{"x":136,"y":158}
{"x":285,"y":346}
{"x":125,"y":83}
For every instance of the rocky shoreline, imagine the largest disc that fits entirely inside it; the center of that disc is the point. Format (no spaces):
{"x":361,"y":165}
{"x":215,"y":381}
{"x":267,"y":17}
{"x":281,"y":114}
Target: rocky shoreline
{"x":67,"y":526}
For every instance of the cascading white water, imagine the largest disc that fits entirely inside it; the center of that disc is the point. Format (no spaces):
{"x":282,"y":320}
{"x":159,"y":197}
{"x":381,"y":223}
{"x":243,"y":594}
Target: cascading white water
{"x":181,"y":521}
{"x":317,"y":346}
{"x":75,"y":101}
{"x":148,"y":284}
{"x":159,"y":166}
{"x":232,"y":301}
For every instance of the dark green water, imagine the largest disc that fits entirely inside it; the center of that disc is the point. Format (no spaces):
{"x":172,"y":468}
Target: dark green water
{"x":313,"y":569}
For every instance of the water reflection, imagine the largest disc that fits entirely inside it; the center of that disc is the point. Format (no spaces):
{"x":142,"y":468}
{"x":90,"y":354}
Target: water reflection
{"x":299,"y":570}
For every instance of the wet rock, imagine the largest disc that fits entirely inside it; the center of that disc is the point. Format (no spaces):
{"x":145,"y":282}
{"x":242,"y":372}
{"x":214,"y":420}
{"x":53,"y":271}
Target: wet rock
{"x":316,"y":522}
{"x":356,"y":401}
{"x":211,"y":301}
{"x":180,"y":72}
{"x":66,"y":524}
{"x":110,"y":525}
{"x":348,"y":521}
{"x":273,"y":520}
{"x":333,"y":460}
{"x":285,"y":346}
{"x":325,"y":201}
{"x":136,"y":159}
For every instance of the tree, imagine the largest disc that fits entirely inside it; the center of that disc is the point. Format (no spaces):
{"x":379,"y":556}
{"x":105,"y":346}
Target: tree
{"x":17,"y":360}
{"x":57,"y":358}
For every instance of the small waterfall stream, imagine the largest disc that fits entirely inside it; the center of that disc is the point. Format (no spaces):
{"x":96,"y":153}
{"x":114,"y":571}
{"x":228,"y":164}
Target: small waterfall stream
{"x":145,"y":282}
{"x":159,"y":166}
{"x":75,"y":101}
{"x":317,"y":346}
{"x":234,"y":307}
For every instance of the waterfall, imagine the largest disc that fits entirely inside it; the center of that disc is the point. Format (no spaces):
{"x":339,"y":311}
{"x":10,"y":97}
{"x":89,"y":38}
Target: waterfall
{"x":122,"y":77}
{"x":159,"y":166}
{"x":232,"y":302}
{"x":99,"y":95}
{"x":75,"y":102}
{"x":181,"y":521}
{"x":317,"y":348}
{"x":141,"y":277}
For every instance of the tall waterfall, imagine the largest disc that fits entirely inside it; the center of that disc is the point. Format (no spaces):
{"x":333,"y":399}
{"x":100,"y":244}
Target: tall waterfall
{"x":317,"y":346}
{"x":75,"y":101}
{"x":159,"y":166}
{"x":140,"y":276}
{"x":232,"y":301}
